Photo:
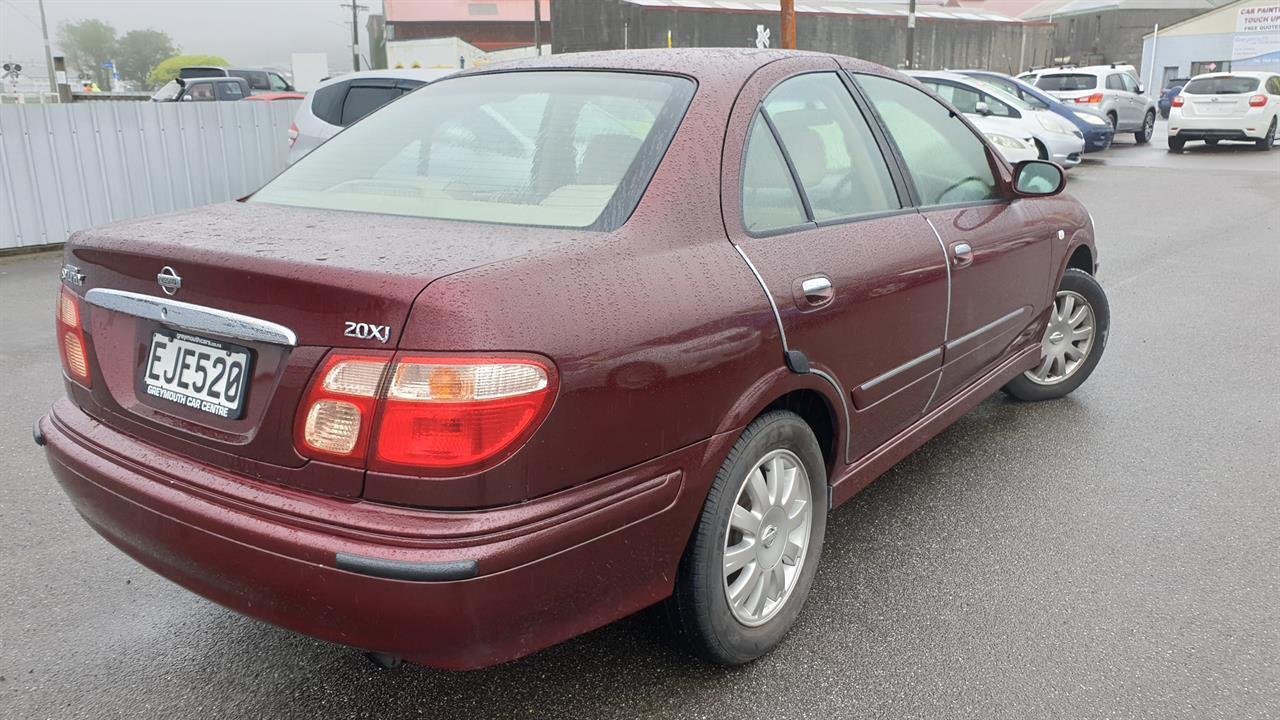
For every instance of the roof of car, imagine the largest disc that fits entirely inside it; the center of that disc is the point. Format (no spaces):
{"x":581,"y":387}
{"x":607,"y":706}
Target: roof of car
{"x":423,"y":74}
{"x":1243,"y":73}
{"x":696,"y":62}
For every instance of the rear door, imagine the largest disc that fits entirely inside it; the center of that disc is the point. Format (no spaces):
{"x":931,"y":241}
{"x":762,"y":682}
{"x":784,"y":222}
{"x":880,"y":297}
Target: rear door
{"x":858,"y":278}
{"x":998,"y":253}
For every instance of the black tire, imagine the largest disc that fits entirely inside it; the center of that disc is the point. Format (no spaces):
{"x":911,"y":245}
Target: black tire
{"x":1269,"y":141}
{"x":1041,"y":150}
{"x":700,"y":607}
{"x":1115,"y":121}
{"x":1083,"y":284}
{"x":1176,"y":144}
{"x":1143,"y":136}
{"x":1164,"y":114}
{"x":1211,"y":142}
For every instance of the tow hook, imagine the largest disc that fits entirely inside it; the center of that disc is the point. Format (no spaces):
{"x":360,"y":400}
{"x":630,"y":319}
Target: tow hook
{"x":386,"y":661}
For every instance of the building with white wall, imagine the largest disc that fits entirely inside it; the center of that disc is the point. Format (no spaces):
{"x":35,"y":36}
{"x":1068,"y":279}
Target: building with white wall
{"x":1243,"y":35}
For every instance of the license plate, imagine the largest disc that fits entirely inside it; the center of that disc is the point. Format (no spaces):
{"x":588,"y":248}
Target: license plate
{"x":199,"y":373}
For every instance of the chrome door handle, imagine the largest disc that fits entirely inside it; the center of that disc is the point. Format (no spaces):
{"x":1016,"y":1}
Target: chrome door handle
{"x":817,"y":290}
{"x":962,"y":254}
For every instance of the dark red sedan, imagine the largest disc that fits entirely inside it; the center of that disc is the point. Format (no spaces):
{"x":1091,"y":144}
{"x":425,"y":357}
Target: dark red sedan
{"x":536,"y":347}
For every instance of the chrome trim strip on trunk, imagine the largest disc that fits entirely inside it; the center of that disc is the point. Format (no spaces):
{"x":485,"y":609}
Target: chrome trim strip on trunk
{"x":196,"y":318}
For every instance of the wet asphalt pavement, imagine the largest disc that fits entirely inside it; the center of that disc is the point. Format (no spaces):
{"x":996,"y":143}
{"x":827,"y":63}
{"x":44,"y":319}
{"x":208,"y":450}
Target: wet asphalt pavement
{"x":1112,"y":555}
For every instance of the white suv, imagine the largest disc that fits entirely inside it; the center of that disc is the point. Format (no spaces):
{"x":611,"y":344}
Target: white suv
{"x":1112,"y":90}
{"x":342,"y":100}
{"x":1226,"y":106}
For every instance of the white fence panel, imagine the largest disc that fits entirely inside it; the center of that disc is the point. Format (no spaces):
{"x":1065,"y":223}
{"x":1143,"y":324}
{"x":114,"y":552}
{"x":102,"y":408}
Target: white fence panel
{"x":70,"y":167}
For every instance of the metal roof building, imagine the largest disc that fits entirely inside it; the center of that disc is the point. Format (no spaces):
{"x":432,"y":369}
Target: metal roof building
{"x":953,"y":37}
{"x":1243,"y":35}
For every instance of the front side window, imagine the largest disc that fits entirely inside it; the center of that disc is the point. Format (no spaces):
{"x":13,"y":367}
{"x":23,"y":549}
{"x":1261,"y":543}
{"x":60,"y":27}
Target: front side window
{"x":947,"y":161}
{"x":838,"y":163}
{"x":552,"y":148}
{"x":229,"y":91}
{"x":1115,"y":82}
{"x":277,"y":83}
{"x":1130,"y":83}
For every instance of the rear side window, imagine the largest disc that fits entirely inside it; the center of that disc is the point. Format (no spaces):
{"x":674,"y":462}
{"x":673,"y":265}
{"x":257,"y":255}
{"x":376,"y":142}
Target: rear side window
{"x":326,"y":102}
{"x":836,"y":158}
{"x":947,"y":161}
{"x":550,"y":148}
{"x":257,"y":79}
{"x":1221,"y":86}
{"x":1067,"y":82}
{"x":363,"y":100}
{"x":229,"y":91}
{"x":770,"y":200}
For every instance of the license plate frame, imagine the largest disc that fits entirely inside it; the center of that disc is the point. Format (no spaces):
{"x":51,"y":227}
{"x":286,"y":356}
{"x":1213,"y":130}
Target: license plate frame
{"x":167,"y":380}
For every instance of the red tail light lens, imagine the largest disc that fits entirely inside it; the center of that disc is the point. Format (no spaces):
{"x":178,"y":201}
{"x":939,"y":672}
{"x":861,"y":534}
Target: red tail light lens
{"x":459,"y":414}
{"x":71,"y":344}
{"x":293,"y":133}
{"x":1258,"y":101}
{"x":1093,"y":99}
{"x":423,"y":415}
{"x":335,"y":419}
{"x":1178,"y":101}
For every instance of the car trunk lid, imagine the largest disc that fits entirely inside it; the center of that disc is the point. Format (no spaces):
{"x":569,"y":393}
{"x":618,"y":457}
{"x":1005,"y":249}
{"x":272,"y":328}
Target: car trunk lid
{"x":269,"y":287}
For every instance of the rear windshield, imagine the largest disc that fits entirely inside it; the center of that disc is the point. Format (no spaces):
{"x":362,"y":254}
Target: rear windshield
{"x":1221,"y":86}
{"x":551,"y":148}
{"x":1066,"y":82}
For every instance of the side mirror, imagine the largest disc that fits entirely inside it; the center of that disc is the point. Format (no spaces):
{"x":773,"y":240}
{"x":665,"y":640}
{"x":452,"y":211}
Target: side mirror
{"x":1141,"y":89}
{"x":1038,"y":178}
{"x":982,"y":108}
{"x":187,"y":98}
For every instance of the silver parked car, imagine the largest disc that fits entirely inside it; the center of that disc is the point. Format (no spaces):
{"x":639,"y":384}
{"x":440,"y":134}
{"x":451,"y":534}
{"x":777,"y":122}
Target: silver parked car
{"x":339,"y":101}
{"x":1113,"y":90}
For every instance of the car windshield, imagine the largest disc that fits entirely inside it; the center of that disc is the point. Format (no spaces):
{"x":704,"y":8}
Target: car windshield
{"x":170,"y":91}
{"x":1065,"y":82}
{"x":1224,"y":85}
{"x":551,"y":148}
{"x":1002,"y":93}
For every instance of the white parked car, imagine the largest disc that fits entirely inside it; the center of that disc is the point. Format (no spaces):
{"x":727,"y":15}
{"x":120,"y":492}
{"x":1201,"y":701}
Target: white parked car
{"x":1226,"y":106}
{"x":340,"y":101}
{"x":993,"y":110}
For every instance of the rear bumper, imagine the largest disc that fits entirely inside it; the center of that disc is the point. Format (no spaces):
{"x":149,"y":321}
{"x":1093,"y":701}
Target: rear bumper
{"x":1250,"y":127}
{"x":457,"y":590}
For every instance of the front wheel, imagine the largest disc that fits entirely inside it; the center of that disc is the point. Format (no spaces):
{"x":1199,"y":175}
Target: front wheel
{"x":1269,"y":140}
{"x":1072,"y":343}
{"x":1143,"y":136}
{"x":747,"y":570}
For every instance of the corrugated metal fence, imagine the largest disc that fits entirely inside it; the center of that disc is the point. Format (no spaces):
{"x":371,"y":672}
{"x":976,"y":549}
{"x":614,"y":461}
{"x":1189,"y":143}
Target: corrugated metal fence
{"x":68,"y":167}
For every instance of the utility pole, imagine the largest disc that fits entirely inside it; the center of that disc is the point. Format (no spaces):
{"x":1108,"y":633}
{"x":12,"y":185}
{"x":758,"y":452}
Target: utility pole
{"x":788,"y":9}
{"x":911,"y":35}
{"x":537,"y":25}
{"x":48,"y":53}
{"x":355,"y":33}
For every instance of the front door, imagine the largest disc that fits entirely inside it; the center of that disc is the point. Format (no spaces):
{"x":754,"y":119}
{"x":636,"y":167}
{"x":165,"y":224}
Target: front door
{"x":858,"y":278}
{"x":999,"y":255}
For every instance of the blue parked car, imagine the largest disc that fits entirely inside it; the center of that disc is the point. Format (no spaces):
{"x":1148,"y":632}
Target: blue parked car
{"x":1169,"y":93}
{"x":1094,"y":125}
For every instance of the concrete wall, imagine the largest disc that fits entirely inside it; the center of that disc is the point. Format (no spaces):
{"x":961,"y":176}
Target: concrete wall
{"x":583,"y":25}
{"x":68,"y":167}
{"x":1111,"y":36}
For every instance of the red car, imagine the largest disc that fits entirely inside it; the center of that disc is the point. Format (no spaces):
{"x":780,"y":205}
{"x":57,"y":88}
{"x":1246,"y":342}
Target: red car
{"x":536,"y":347}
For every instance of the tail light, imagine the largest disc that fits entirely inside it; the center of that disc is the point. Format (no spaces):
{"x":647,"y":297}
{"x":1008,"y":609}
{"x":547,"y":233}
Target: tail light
{"x":424,"y":415}
{"x":293,"y":133}
{"x":1258,"y":101}
{"x":1178,"y":101}
{"x":1093,"y":99}
{"x":71,"y":345}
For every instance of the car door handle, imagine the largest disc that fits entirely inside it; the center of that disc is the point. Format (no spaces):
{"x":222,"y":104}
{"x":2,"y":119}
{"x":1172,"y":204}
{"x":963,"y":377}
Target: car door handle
{"x":816,"y":291}
{"x":961,"y":254}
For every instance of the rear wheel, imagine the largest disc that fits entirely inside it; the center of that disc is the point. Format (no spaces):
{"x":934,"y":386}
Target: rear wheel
{"x":1176,"y":144}
{"x":751,"y":560}
{"x":1269,"y":140}
{"x":1143,"y":136}
{"x":1072,"y":343}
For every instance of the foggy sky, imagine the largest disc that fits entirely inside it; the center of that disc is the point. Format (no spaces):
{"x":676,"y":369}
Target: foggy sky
{"x":245,"y":32}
